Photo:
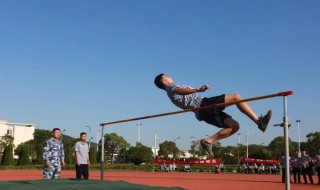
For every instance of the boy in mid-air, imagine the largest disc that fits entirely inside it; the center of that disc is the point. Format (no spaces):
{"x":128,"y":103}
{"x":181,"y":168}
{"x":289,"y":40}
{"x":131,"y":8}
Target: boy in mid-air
{"x":186,"y":97}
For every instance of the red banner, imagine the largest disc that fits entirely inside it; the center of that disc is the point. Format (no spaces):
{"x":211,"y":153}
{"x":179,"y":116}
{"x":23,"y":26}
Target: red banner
{"x":258,"y":161}
{"x":193,"y":162}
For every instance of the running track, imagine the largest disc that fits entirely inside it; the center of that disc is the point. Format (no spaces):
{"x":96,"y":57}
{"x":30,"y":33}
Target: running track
{"x":197,"y":181}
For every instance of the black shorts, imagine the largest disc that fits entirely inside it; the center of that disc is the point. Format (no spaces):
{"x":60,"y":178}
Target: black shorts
{"x":214,"y":116}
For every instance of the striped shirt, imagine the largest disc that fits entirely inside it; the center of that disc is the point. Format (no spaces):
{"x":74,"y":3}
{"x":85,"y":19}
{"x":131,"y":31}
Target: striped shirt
{"x":184,"y":101}
{"x":83,"y":151}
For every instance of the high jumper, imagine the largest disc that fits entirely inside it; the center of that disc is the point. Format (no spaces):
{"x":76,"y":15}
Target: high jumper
{"x":187,"y":97}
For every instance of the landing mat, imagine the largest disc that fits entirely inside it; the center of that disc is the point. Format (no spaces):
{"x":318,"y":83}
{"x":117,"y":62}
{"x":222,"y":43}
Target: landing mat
{"x":72,"y":184}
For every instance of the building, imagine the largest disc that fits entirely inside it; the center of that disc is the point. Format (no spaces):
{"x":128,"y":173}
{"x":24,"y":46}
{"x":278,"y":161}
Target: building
{"x":21,"y":132}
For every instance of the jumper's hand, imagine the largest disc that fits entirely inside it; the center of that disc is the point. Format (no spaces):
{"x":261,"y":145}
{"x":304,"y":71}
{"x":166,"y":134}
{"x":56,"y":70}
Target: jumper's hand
{"x":203,"y":88}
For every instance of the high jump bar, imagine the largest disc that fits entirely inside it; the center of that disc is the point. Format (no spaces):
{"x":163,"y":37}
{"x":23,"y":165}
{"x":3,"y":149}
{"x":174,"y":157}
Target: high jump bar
{"x":285,"y":93}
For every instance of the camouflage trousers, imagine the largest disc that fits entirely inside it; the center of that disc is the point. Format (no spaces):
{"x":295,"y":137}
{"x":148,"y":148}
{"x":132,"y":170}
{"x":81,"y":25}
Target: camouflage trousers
{"x":52,"y":172}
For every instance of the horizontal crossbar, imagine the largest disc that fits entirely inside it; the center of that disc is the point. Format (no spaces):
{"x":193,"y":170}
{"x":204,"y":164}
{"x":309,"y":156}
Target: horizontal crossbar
{"x":286,"y":93}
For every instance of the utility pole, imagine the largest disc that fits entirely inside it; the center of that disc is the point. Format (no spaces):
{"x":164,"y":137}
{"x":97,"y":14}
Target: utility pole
{"x":89,"y":134}
{"x":298,"y":122}
{"x":247,"y":139}
{"x":139,"y":125}
{"x":155,"y":143}
{"x":62,"y":134}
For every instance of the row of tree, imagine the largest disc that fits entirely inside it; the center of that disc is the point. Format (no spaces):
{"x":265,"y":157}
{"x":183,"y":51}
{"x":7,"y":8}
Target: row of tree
{"x":30,"y":152}
{"x":117,"y":149}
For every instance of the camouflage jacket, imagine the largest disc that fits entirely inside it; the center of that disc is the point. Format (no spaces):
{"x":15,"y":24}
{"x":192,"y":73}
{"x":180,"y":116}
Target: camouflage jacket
{"x":53,"y":152}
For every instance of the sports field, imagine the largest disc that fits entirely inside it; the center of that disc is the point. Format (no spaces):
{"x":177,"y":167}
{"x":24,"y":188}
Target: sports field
{"x":174,"y":180}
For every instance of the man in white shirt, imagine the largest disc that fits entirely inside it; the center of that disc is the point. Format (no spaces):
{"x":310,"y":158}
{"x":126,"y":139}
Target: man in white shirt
{"x":82,"y":162}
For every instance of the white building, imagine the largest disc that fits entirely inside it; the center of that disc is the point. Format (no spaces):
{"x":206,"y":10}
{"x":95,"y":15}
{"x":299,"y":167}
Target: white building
{"x":21,"y":132}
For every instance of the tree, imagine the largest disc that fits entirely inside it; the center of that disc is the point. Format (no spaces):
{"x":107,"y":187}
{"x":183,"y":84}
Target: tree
{"x":7,"y":158}
{"x":32,"y":151}
{"x":113,"y":144}
{"x":168,"y":148}
{"x":259,"y":152}
{"x":313,"y":143}
{"x":40,"y":136}
{"x":242,"y":150}
{"x":194,"y":148}
{"x":140,"y":154}
{"x":93,"y":155}
{"x":5,"y":141}
{"x":24,"y":158}
{"x":68,"y":150}
{"x":278,"y":148}
{"x":217,"y":149}
{"x":123,"y":156}
{"x":229,"y":155}
{"x":39,"y":154}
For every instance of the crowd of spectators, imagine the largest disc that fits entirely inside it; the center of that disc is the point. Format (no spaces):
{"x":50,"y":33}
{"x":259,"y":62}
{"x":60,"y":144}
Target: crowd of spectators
{"x":300,"y":165}
{"x":259,"y":168}
{"x":168,"y":167}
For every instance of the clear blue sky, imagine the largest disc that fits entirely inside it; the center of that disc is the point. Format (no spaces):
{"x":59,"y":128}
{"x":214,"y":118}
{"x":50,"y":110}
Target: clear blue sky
{"x":69,"y":64}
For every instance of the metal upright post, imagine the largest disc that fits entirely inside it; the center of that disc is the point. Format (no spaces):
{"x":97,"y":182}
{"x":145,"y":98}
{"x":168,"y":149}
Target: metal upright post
{"x":239,"y":143}
{"x":286,"y":140}
{"x":102,"y":153}
{"x":98,"y":140}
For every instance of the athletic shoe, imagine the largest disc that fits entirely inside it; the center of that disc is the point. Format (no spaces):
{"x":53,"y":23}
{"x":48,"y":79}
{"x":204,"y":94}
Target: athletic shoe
{"x":207,"y":148}
{"x":264,"y":121}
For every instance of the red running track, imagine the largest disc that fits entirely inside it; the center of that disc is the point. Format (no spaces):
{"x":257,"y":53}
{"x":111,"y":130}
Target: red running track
{"x":197,"y":181}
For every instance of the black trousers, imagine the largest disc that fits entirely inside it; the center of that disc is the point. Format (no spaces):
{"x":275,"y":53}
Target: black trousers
{"x":296,"y":173}
{"x":82,"y":170}
{"x":305,"y":172}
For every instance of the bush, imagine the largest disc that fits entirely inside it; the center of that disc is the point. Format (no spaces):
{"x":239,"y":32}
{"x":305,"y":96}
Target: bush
{"x":24,"y":156}
{"x":7,"y":158}
{"x":93,"y":155}
{"x":140,"y":154}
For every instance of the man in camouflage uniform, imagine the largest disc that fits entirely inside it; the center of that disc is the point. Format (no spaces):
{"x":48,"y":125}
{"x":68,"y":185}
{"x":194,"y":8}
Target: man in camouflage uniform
{"x":53,"y":156}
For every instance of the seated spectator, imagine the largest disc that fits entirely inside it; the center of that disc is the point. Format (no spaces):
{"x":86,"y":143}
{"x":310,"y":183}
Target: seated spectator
{"x":255,"y":168}
{"x":243,"y":168}
{"x":261,"y":169}
{"x":187,"y":168}
{"x":279,"y":171}
{"x":219,"y":168}
{"x":274,"y":169}
{"x":267,"y":169}
{"x":163,"y":167}
{"x":250,"y":169}
{"x":170,"y":168}
{"x":174,"y":167}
